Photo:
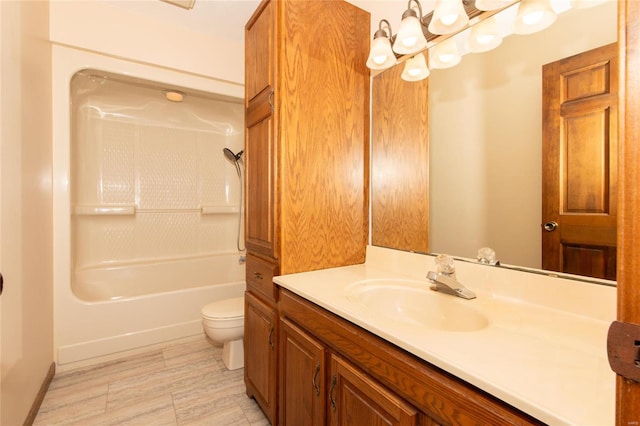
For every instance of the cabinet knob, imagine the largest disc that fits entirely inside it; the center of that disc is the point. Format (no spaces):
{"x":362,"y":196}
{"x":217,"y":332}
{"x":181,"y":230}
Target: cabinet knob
{"x":257,"y":275}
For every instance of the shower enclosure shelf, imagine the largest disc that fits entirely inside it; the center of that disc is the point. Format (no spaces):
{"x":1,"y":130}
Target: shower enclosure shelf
{"x":100,"y":210}
{"x":219,"y":209}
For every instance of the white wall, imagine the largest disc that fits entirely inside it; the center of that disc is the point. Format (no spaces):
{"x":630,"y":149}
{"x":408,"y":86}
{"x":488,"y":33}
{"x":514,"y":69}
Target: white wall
{"x":25,"y":205}
{"x":485,"y":139}
{"x":112,"y":28}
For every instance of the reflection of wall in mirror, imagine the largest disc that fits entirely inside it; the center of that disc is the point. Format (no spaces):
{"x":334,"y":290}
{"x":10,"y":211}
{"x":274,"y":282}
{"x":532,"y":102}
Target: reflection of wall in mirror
{"x":485,"y":139}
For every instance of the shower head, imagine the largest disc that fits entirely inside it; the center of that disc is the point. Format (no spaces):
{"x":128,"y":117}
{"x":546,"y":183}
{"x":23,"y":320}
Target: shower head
{"x":234,"y":158}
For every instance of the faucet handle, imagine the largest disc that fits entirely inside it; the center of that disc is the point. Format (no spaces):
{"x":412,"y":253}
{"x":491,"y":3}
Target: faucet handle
{"x":444,"y":264}
{"x":487,"y":256}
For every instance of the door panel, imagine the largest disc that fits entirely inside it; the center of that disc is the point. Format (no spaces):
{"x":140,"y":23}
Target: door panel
{"x":260,"y":354}
{"x":355,"y":399}
{"x":580,"y":96}
{"x":302,"y":377}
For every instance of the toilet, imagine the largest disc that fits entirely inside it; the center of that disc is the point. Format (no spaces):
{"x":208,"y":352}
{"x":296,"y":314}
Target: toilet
{"x":223,"y":322}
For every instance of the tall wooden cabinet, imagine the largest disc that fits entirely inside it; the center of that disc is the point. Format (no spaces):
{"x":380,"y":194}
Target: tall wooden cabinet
{"x":306,"y":157}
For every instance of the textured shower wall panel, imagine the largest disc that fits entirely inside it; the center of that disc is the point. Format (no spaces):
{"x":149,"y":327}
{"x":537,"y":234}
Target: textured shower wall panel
{"x":117,"y":143}
{"x":167,"y":169}
{"x":166,"y":174}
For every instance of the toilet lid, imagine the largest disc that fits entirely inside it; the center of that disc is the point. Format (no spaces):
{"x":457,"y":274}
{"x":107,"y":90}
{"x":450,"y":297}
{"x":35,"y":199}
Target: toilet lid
{"x":225,"y":309}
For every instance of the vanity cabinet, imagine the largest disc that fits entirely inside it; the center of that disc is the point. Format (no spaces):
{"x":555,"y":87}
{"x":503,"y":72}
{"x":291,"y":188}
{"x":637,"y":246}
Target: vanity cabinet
{"x":306,"y":158}
{"x":371,"y":381}
{"x":260,"y":336}
{"x":310,"y":393}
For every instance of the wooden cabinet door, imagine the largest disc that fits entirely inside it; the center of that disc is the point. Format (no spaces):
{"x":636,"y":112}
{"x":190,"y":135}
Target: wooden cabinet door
{"x":260,"y":51}
{"x":260,"y":354}
{"x":355,"y":399}
{"x":302,"y":378}
{"x":259,"y":155}
{"x":259,"y":152}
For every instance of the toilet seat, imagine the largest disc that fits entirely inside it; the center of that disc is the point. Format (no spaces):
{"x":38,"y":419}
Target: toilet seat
{"x":227,"y":309}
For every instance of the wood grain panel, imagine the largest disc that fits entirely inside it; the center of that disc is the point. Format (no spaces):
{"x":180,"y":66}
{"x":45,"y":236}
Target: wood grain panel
{"x":323,"y":139}
{"x":586,"y":141}
{"x":359,"y":400}
{"x":260,"y":354}
{"x":259,"y":175}
{"x":585,"y":82}
{"x":599,"y":261}
{"x":628,"y":392}
{"x":400,"y":163}
{"x":303,"y":391}
{"x":259,"y":40}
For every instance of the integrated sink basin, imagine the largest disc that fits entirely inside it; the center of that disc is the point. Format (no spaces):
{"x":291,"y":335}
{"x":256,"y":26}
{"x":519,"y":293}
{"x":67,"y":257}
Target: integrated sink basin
{"x":412,"y":303}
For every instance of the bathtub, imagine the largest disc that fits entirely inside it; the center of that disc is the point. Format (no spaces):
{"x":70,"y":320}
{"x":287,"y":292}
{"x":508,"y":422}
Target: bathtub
{"x":140,"y":279}
{"x":108,"y":320}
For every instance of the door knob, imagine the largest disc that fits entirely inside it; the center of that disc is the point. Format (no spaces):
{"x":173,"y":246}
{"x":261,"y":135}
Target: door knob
{"x":550,"y":226}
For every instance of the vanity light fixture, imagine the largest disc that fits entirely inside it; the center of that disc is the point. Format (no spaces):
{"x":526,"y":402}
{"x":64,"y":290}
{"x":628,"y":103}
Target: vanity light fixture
{"x":415,"y":69}
{"x":414,"y":36}
{"x":484,"y":36}
{"x":381,"y":56}
{"x":492,"y":4}
{"x":449,"y":16}
{"x":533,"y":16}
{"x":444,"y":54}
{"x":410,"y":38}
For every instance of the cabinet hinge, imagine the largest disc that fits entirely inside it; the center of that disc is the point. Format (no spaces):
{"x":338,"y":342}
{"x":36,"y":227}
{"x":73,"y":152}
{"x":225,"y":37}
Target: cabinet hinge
{"x":623,"y":349}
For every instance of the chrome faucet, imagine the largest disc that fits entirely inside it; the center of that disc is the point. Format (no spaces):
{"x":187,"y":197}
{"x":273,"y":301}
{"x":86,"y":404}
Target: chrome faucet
{"x":445,"y":281}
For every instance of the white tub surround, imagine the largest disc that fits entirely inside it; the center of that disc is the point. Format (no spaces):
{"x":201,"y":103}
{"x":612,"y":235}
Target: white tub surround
{"x":543,"y":350}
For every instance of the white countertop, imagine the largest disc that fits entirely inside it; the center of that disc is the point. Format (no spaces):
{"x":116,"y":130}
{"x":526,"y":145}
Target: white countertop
{"x":543,"y":350}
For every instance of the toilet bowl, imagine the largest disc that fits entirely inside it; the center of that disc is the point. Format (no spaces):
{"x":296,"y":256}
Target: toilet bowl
{"x":223,"y":322}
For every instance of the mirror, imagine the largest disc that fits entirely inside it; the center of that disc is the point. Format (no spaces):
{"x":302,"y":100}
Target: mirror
{"x":484,"y":139}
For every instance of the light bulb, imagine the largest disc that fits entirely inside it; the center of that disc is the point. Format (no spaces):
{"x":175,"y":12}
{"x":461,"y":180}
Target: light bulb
{"x":445,"y":54}
{"x":533,"y":17}
{"x":415,"y":68}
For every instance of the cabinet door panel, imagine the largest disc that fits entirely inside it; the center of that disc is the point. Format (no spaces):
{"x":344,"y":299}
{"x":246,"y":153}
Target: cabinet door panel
{"x":260,"y":180}
{"x":260,"y":354}
{"x":260,"y":49}
{"x":356,"y":399}
{"x":302,"y":378}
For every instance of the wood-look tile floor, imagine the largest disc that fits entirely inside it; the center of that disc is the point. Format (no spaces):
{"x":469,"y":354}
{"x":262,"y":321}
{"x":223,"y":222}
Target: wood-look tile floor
{"x":181,"y":384}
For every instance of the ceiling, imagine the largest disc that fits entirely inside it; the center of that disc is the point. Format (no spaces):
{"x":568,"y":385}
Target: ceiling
{"x":226,"y":18}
